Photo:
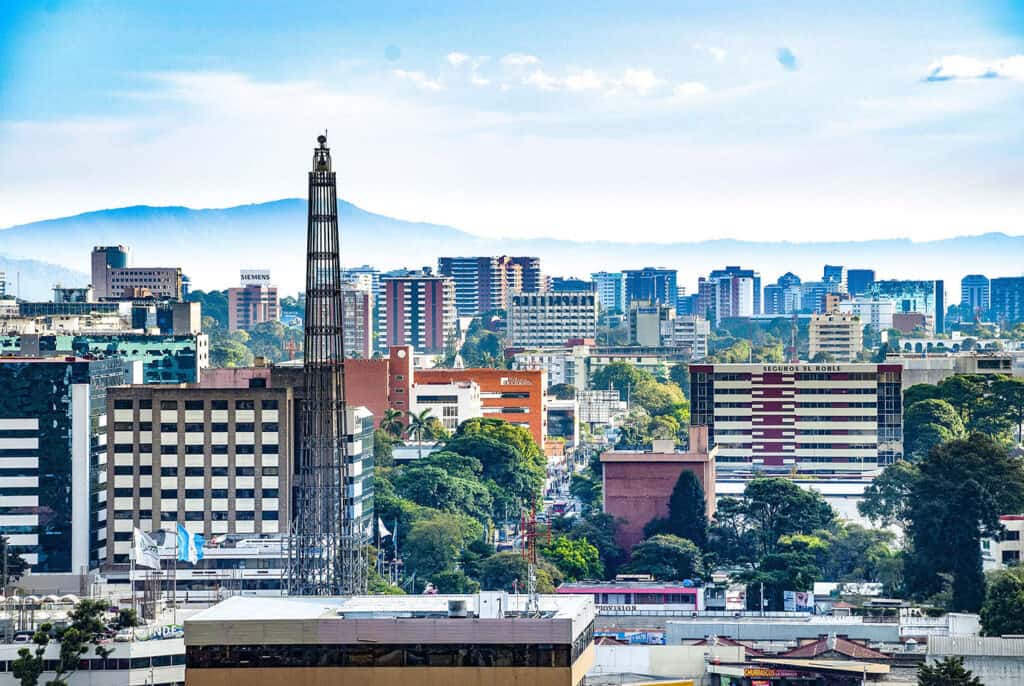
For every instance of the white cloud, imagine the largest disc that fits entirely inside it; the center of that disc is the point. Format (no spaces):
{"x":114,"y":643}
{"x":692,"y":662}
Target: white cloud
{"x":517,"y":59}
{"x":586,"y":80}
{"x":718,"y":54}
{"x":543,"y":81}
{"x":478,"y":80}
{"x":690,"y":89}
{"x":640,"y":81}
{"x":421,"y":80}
{"x":955,"y":67}
{"x":457,"y":58}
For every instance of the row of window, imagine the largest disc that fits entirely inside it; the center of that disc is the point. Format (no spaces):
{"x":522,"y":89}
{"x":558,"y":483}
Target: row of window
{"x":147,"y":404}
{"x":147,"y":470}
{"x":504,"y":655}
{"x":193,"y":493}
{"x":193,"y":516}
{"x":109,"y":664}
{"x":198,"y":449}
{"x":194,"y":427}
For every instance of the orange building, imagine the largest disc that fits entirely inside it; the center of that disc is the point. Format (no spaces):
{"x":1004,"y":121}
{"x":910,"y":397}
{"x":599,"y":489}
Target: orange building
{"x":516,"y":396}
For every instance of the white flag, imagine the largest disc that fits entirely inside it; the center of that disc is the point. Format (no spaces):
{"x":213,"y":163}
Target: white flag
{"x":384,"y":533}
{"x":147,"y":554}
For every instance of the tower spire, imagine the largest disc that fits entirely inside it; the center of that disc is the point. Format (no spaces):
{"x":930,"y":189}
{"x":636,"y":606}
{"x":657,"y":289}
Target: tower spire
{"x":325,"y":552}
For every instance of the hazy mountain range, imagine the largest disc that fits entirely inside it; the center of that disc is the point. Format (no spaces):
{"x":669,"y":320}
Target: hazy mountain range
{"x":213,"y":245}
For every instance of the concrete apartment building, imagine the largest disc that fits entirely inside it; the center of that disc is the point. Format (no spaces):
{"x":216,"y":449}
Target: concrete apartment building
{"x":646,"y":321}
{"x":113,"y":279}
{"x":873,"y":311}
{"x":53,"y":463}
{"x":218,"y":460}
{"x":837,"y":335}
{"x":254,"y":302}
{"x":637,"y":484}
{"x":483,"y":284}
{"x":418,"y":309}
{"x":357,"y":321}
{"x":816,"y":419}
{"x":487,"y":639}
{"x":537,"y":320}
{"x":1006,"y":550}
{"x":687,"y":331}
{"x":452,"y":403}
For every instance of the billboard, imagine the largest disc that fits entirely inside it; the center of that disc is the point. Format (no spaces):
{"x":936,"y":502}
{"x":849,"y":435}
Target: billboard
{"x":797,"y":601}
{"x":255,"y":277}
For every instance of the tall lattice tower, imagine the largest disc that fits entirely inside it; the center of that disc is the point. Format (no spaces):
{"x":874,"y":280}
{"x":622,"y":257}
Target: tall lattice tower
{"x":325,"y":552}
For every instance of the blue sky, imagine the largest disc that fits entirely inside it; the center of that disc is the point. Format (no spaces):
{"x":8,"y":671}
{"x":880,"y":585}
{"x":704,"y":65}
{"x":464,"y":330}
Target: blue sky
{"x":636,"y":121}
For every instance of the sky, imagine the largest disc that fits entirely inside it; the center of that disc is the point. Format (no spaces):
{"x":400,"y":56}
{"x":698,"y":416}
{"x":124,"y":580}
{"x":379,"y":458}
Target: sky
{"x":652,"y":121}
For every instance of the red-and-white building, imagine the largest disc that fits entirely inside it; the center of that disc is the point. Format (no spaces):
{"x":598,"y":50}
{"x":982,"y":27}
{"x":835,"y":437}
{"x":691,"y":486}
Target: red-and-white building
{"x":254,"y":302}
{"x":417,"y":309}
{"x":821,"y":419}
{"x":631,"y":597}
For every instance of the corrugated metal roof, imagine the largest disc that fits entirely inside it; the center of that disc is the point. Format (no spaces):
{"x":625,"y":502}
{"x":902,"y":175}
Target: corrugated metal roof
{"x":976,"y":645}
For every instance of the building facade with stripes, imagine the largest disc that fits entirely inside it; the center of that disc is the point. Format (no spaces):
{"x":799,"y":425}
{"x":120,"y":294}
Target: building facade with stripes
{"x":53,"y":420}
{"x":821,"y":419}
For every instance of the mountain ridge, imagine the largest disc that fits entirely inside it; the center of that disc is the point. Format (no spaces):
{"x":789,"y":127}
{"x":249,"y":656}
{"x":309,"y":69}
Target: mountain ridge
{"x":212,"y":244}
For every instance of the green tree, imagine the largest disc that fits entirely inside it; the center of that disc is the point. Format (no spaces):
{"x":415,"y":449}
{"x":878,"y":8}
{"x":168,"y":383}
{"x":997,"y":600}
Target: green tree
{"x":419,"y":427}
{"x":667,"y":558}
{"x":928,"y":423}
{"x":598,"y":529}
{"x":499,"y":430}
{"x":962,"y":489}
{"x":454,"y":581}
{"x":563,"y":391}
{"x":730,"y":538}
{"x":823,"y":356}
{"x":15,"y":567}
{"x":1002,"y":613}
{"x":679,"y":374}
{"x":658,"y":398}
{"x":586,"y":488}
{"x":432,"y":486}
{"x":919,"y":392}
{"x":774,"y":507}
{"x":792,"y":568}
{"x":509,"y":571}
{"x":635,"y":430}
{"x":435,"y":540}
{"x":391,"y":422}
{"x":87,"y":623}
{"x":1008,"y":397}
{"x":887,"y":497}
{"x":622,"y":376}
{"x":214,"y":304}
{"x":857,"y":554}
{"x":575,"y":558}
{"x":687,"y":514}
{"x":948,"y":671}
{"x":963,"y":391}
{"x":520,"y":479}
{"x":383,"y":449}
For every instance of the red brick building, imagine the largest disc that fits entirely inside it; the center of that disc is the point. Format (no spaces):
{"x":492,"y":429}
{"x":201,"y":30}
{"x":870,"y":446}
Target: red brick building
{"x":637,"y":485}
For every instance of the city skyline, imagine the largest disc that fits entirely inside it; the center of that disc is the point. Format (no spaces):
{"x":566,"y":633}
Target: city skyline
{"x":724,"y":122}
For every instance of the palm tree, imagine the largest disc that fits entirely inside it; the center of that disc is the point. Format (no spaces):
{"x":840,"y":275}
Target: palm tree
{"x":391,"y":422}
{"x":419,"y":426}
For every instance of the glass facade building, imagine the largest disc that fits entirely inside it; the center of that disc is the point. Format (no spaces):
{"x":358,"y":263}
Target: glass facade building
{"x":53,"y":459}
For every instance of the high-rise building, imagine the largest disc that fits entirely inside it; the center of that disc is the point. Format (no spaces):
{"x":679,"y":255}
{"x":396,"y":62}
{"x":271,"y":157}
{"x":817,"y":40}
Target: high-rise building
{"x":825,"y":419}
{"x":357,"y":321}
{"x":483,"y":283}
{"x":858,"y":281}
{"x":493,"y":638}
{"x":687,"y":331}
{"x":646,"y":320}
{"x":733,"y":292}
{"x":561,"y":284}
{"x":1008,"y":299}
{"x":3,"y":284}
{"x":418,"y":310}
{"x":611,"y":291}
{"x":783,"y":297}
{"x":924,"y":297}
{"x":975,"y":296}
{"x":364,"y":277}
{"x":218,"y":460}
{"x":254,"y":302}
{"x":537,"y":320}
{"x":836,"y":278}
{"x":104,"y":259}
{"x":812,"y":296}
{"x":836,"y":335}
{"x":656,"y":285}
{"x":872,"y":311}
{"x":53,"y":419}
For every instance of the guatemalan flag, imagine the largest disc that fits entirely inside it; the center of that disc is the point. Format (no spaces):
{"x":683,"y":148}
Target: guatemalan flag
{"x":190,"y":545}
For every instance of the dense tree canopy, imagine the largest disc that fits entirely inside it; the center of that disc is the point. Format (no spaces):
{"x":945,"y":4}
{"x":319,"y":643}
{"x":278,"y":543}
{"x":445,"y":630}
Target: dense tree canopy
{"x":667,"y":558}
{"x":1002,"y":613}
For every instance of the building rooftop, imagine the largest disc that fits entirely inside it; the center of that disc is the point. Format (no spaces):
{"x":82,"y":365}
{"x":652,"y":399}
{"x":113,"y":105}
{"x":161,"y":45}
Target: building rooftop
{"x":490,"y":617}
